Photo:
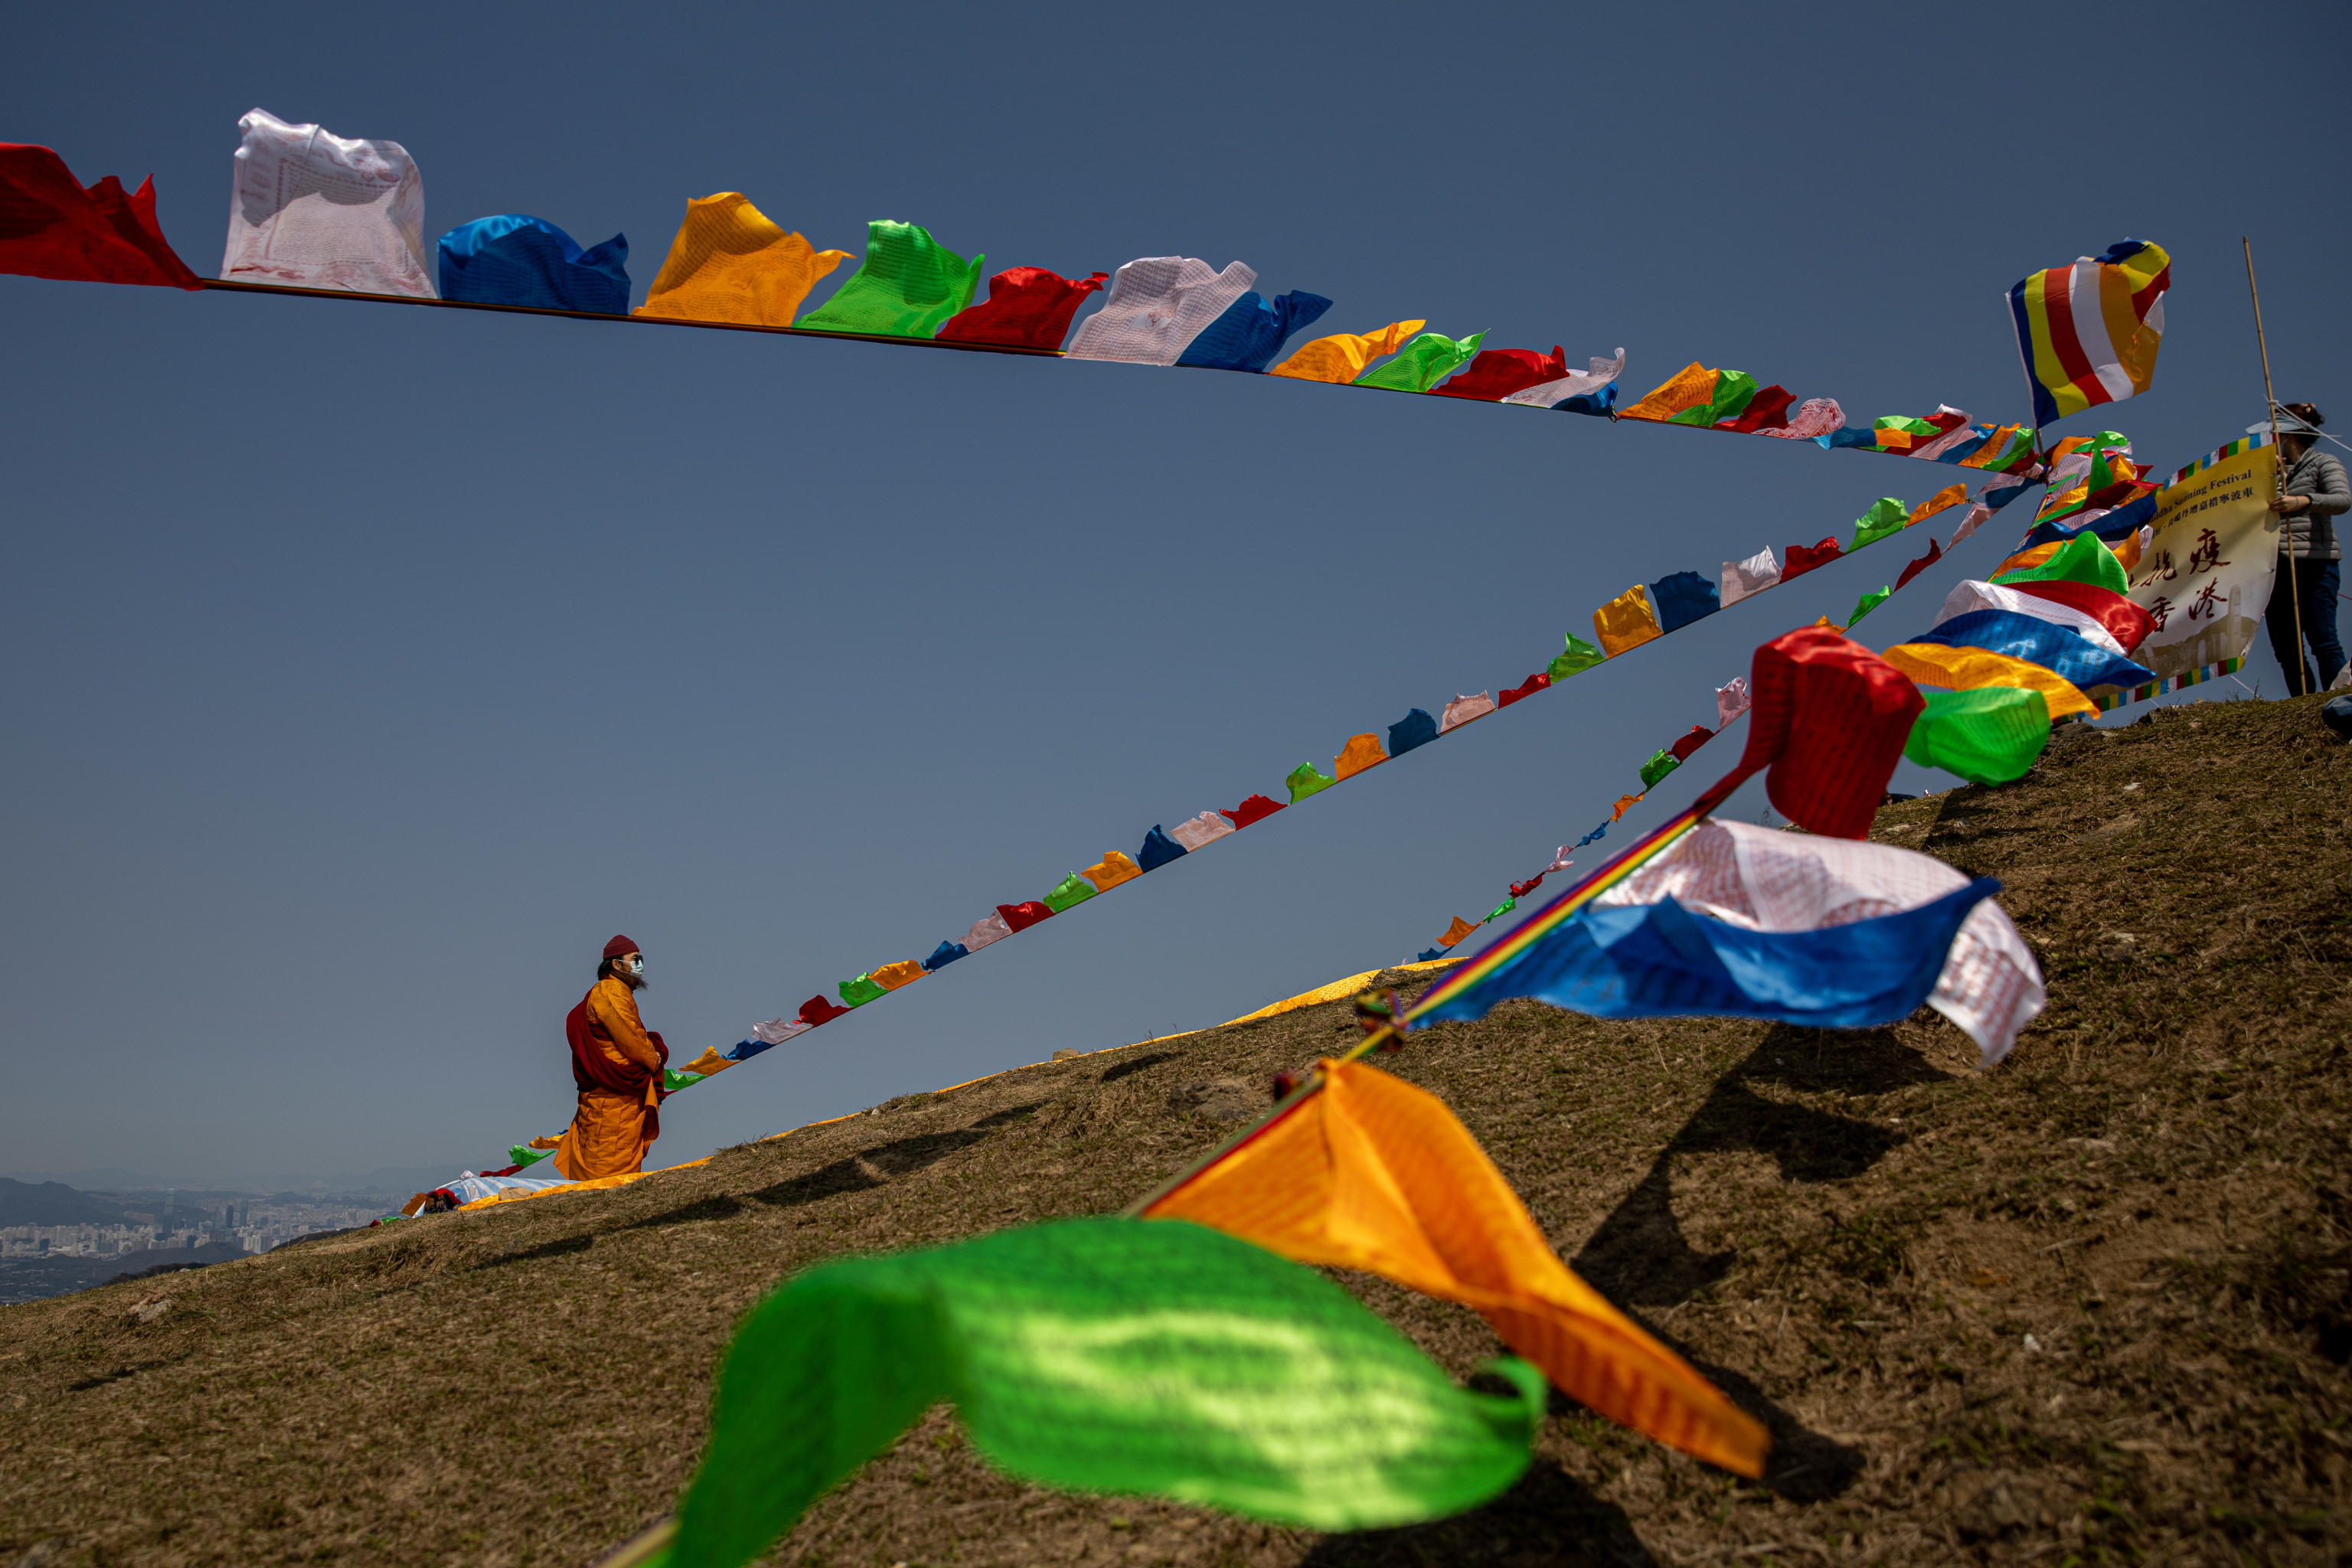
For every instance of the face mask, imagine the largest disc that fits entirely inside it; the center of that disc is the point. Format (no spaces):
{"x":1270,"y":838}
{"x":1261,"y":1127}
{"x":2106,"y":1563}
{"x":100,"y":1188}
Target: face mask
{"x":637,"y":966}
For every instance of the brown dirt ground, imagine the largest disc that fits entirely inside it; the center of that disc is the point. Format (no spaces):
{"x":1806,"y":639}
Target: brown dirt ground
{"x":2093,"y":1307}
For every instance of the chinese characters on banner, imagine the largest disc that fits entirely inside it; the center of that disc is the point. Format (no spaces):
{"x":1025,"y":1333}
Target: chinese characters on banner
{"x":2205,"y":578}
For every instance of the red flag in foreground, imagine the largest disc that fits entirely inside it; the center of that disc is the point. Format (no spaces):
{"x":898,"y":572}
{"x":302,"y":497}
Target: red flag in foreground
{"x":51,"y":227}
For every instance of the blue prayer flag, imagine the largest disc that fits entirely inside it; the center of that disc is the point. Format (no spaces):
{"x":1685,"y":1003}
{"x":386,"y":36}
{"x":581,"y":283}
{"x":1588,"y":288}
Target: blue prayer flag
{"x":1251,"y":331}
{"x":513,"y":259}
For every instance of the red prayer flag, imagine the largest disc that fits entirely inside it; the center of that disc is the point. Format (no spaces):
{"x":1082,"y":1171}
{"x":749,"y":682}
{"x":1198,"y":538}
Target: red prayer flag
{"x":1935,"y":554}
{"x":51,"y":227}
{"x":1521,"y":890}
{"x":1699,"y":736}
{"x":1023,"y":915}
{"x":1768,"y":410}
{"x":818,"y":1010}
{"x":1527,"y":687}
{"x":1256,"y":808}
{"x":1028,"y":306}
{"x":1802,"y":559}
{"x":1497,"y":373}
{"x":1829,"y":723}
{"x":2128,"y":623}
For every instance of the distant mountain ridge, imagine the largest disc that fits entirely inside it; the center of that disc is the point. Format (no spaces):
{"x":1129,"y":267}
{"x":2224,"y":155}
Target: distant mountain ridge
{"x":53,"y":1202}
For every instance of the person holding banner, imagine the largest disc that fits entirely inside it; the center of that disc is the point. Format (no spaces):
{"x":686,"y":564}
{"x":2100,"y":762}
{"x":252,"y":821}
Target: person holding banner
{"x":2313,"y":492}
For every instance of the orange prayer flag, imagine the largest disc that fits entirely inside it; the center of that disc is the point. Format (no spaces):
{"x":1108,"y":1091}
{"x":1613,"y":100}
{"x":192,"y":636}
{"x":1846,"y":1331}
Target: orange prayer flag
{"x":1374,"y":1173}
{"x":1361,"y":752}
{"x":891,"y":976}
{"x":1111,"y":871}
{"x":1624,"y":803}
{"x":1943,"y":500}
{"x":1626,"y":622}
{"x":1456,"y":932}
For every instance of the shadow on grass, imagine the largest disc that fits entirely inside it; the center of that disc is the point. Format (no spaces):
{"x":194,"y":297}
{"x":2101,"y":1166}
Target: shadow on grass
{"x":1639,"y":1256}
{"x":871,"y":1168}
{"x":1547,"y":1518}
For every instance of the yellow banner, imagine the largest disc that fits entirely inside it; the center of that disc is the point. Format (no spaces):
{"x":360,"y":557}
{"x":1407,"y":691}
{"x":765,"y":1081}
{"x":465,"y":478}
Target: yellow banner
{"x":2206,"y":577}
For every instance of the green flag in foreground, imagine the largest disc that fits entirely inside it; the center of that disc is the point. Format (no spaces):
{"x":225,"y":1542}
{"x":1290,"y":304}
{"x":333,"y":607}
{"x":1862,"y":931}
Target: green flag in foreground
{"x":1101,"y":1356}
{"x":1988,"y":736}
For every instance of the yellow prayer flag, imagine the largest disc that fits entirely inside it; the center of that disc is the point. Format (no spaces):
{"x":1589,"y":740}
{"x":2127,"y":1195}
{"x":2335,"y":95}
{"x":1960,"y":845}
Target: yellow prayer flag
{"x":891,"y":976}
{"x":1949,"y":496}
{"x":1360,"y":752}
{"x":1111,"y":871}
{"x":730,"y":263}
{"x":1692,"y":387}
{"x":1374,"y":1173}
{"x":1342,"y":357}
{"x":1626,"y":622}
{"x":1966,"y":668}
{"x":709,"y":1062}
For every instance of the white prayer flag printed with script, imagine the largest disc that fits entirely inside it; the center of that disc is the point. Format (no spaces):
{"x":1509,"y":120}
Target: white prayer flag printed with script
{"x":2205,"y":578}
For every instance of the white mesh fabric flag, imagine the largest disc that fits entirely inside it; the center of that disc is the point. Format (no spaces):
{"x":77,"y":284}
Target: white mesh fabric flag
{"x":1205,"y":828}
{"x":1461,"y":709}
{"x":1753,"y":575}
{"x":776,"y":1031}
{"x":1157,"y":306}
{"x":314,"y":210}
{"x":1731,"y":701}
{"x":1547,"y":393}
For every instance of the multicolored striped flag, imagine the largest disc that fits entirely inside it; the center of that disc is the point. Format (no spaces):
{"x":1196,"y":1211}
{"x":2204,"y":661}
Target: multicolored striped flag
{"x":2089,"y":332}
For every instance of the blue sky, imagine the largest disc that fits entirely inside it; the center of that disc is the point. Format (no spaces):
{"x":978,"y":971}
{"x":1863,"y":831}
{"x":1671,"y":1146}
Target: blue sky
{"x":370,"y":667}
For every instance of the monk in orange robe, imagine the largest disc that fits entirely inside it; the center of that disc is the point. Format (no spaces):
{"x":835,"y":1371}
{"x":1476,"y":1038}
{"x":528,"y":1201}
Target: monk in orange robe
{"x":616,"y":1063}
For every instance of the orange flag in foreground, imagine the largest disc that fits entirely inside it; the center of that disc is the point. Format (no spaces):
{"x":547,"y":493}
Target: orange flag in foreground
{"x":1374,"y":1173}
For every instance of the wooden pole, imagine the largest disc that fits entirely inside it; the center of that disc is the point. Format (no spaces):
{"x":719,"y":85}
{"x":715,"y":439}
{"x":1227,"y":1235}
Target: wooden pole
{"x":2278,"y":479}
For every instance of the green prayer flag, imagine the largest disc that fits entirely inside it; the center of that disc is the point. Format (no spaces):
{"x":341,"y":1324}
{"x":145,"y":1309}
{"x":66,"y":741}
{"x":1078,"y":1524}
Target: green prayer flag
{"x":1988,"y":736}
{"x":1868,"y":602}
{"x":676,"y":1078}
{"x":1422,"y":362}
{"x":906,"y":286}
{"x":1153,"y":1357}
{"x":520,"y":1155}
{"x":1304,"y":780}
{"x":1734,"y":390}
{"x":1886,"y":515}
{"x":858,"y":992}
{"x":1658,"y":767}
{"x":1581,"y":656}
{"x":1071,"y":890}
{"x":1500,"y":910}
{"x":2085,"y":558}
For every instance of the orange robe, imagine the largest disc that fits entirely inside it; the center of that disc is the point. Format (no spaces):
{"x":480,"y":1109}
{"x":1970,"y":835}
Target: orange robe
{"x":612,"y":1130}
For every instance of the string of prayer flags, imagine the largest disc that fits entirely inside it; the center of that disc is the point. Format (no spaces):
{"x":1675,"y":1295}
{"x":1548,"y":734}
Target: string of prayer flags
{"x":1991,"y":735}
{"x":1119,"y":1356}
{"x":1343,"y":357}
{"x":1028,"y":306}
{"x":2089,"y":334}
{"x":1156,"y":306}
{"x":1375,"y":1175}
{"x":1252,"y":331}
{"x":1738,"y":921}
{"x":908,"y":286}
{"x":517,"y":259}
{"x":730,"y":262}
{"x":315,"y":210}
{"x":55,"y":228}
{"x":1422,"y":362}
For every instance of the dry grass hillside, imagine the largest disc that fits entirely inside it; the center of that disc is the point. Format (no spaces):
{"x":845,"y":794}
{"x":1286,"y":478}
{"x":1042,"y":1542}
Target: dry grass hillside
{"x":2093,"y":1307}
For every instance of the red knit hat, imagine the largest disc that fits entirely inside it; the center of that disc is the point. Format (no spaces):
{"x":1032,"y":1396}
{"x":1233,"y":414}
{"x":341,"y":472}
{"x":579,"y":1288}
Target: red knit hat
{"x":619,"y":947}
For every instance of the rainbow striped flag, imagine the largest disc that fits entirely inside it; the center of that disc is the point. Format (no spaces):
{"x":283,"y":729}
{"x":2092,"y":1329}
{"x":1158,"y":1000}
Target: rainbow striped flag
{"x":2089,"y":332}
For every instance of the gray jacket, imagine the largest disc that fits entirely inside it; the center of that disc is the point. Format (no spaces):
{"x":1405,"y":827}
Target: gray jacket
{"x":2310,"y":534}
